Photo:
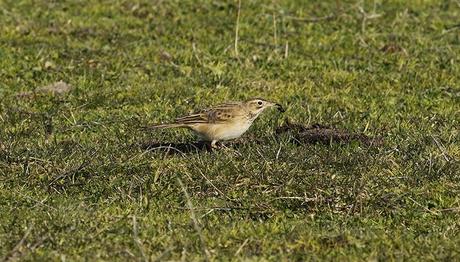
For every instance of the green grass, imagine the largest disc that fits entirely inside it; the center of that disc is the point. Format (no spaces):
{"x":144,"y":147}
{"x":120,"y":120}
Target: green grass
{"x":76,"y":185}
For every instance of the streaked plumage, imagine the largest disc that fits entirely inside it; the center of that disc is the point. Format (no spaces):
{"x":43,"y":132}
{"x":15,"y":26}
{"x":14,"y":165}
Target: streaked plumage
{"x":223,"y":122}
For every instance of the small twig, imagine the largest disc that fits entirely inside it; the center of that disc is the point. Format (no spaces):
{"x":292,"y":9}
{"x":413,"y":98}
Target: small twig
{"x":286,"y":50}
{"x":424,"y":207}
{"x":278,"y":153}
{"x":241,"y":247}
{"x":194,"y":220}
{"x":237,"y":27}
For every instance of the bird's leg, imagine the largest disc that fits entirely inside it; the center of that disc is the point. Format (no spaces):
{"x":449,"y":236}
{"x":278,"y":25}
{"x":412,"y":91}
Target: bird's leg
{"x":215,"y":144}
{"x":228,"y":149}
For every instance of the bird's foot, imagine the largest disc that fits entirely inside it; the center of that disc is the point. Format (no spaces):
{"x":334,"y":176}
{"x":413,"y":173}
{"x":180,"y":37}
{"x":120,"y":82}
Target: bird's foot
{"x":214,"y":145}
{"x":221,"y":146}
{"x":218,"y":145}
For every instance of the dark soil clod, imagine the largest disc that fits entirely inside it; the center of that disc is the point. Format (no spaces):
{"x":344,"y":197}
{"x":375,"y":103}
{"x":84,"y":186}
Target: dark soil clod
{"x":318,"y":133}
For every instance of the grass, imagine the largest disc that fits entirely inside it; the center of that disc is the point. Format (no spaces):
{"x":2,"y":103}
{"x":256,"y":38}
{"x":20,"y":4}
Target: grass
{"x":76,"y":185}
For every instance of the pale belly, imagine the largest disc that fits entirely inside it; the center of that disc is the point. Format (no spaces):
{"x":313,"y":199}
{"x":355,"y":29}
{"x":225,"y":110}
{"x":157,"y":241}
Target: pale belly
{"x":226,"y":131}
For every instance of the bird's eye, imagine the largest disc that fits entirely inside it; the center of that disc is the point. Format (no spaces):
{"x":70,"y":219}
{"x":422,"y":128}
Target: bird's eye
{"x":259,"y":103}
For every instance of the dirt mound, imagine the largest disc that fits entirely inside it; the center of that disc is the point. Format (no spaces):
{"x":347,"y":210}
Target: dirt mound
{"x":318,"y":133}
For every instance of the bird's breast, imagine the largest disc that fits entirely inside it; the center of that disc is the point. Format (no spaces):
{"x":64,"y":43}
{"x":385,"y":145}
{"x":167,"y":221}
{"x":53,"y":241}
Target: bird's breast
{"x":222,"y":131}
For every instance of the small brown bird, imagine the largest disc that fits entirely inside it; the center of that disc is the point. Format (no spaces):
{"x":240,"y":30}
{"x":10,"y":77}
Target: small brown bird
{"x":223,"y":122}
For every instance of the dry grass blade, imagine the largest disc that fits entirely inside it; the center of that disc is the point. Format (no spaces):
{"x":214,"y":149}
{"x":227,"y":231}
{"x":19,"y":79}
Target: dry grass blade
{"x":137,"y":240}
{"x":237,"y":27}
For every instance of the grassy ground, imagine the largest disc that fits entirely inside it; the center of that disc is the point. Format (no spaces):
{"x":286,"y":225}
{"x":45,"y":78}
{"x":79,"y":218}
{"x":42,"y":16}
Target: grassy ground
{"x":76,"y":185}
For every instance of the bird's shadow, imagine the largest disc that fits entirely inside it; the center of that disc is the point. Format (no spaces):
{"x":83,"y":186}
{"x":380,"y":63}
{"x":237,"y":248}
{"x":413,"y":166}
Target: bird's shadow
{"x":300,"y":134}
{"x":169,"y":148}
{"x":177,"y":148}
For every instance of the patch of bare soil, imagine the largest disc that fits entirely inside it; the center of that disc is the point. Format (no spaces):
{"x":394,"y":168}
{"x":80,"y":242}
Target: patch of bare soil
{"x":318,"y":133}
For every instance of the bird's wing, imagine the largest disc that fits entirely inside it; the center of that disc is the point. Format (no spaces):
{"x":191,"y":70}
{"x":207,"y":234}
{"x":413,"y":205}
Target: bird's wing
{"x":217,"y":114}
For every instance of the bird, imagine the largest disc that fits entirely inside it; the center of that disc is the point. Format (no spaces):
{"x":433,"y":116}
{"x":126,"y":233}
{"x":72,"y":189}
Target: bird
{"x":222,"y":122}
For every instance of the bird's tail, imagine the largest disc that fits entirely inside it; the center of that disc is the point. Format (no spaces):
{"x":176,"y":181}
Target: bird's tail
{"x":162,"y":126}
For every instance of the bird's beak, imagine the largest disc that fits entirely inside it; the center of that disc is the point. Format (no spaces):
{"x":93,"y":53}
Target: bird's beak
{"x":279,"y":107}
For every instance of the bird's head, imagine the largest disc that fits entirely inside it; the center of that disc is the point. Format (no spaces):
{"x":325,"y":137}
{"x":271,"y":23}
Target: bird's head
{"x":258,"y":105}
